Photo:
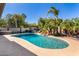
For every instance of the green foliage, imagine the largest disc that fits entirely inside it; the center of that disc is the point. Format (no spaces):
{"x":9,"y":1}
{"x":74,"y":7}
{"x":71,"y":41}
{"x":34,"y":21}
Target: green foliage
{"x":16,"y":20}
{"x":50,"y":23}
{"x":58,"y":24}
{"x":67,"y":24}
{"x":3,"y":23}
{"x":45,"y":24}
{"x":54,"y":11}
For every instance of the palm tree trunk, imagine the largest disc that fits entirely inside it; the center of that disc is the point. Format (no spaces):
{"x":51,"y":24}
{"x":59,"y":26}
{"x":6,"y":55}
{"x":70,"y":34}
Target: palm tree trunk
{"x":53,"y":31}
{"x":69,"y":34}
{"x":20,"y":29}
{"x":50,"y":31}
{"x":15,"y":22}
{"x":59,"y":30}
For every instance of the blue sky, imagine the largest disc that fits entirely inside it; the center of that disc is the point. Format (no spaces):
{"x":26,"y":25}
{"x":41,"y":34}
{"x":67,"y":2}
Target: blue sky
{"x":34,"y":11}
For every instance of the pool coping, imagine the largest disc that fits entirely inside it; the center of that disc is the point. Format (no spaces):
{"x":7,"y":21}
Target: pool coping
{"x":42,"y":51}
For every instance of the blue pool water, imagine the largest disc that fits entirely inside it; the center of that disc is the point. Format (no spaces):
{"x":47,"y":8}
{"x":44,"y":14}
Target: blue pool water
{"x":44,"y":41}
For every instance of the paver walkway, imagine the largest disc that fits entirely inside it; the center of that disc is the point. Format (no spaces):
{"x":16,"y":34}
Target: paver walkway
{"x":10,"y":48}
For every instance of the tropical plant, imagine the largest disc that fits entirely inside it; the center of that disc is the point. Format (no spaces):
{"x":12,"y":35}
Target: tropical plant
{"x":54,"y":11}
{"x":16,"y":20}
{"x":3,"y":23}
{"x":76,"y":24}
{"x":10,"y":22}
{"x":57,"y":20}
{"x":42,"y":24}
{"x":68,"y":26}
{"x":46,"y":25}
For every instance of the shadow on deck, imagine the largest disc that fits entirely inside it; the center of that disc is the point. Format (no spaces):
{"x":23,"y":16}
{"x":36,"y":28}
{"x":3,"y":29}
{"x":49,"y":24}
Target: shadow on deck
{"x":9,"y":48}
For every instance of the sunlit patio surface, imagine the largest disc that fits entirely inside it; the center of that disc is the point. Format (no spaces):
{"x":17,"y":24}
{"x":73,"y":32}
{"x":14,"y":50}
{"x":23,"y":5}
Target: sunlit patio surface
{"x":71,"y":50}
{"x":10,"y":48}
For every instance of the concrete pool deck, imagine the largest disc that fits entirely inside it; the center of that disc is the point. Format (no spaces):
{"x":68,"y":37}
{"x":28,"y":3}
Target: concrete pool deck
{"x":10,"y":48}
{"x":71,"y":50}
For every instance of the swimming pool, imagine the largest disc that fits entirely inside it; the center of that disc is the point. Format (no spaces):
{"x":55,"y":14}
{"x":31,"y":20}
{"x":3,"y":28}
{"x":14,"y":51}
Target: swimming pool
{"x":44,"y":41}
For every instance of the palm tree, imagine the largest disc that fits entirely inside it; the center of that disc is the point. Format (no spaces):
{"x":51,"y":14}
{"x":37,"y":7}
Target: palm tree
{"x":46,"y":25}
{"x":19,"y":20}
{"x":67,"y":25}
{"x":9,"y":20}
{"x":54,"y":11}
{"x":52,"y":26}
{"x":58,"y":23}
{"x":3,"y":23}
{"x":42,"y":24}
{"x":24,"y":16}
{"x":57,"y":20}
{"x":16,"y":20}
{"x":76,"y":24}
{"x":15,"y":17}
